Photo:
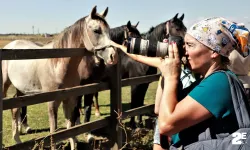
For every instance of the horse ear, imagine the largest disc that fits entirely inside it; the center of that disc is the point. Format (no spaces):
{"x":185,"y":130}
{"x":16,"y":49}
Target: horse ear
{"x":182,"y":17}
{"x":104,"y":13}
{"x":93,"y":12}
{"x":175,"y":17}
{"x":129,"y":24}
{"x":137,"y":24}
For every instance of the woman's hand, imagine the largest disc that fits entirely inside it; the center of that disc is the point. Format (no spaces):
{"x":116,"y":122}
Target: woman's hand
{"x":122,"y":47}
{"x":170,"y":67}
{"x":151,"y":61}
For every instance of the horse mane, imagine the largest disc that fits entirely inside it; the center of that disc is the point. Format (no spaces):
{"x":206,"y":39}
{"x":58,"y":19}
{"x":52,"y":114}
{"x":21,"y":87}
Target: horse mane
{"x":117,"y":34}
{"x":151,"y":29}
{"x":157,"y":33}
{"x":72,"y":36}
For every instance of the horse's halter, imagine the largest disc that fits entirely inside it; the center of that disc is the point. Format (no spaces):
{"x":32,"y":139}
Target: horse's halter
{"x":126,"y":34}
{"x":168,"y":34}
{"x":89,"y":45}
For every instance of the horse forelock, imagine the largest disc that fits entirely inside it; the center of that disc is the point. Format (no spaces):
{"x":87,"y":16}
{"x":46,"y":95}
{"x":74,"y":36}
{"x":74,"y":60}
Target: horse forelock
{"x":134,"y":30}
{"x":179,"y":23}
{"x":100,"y":18}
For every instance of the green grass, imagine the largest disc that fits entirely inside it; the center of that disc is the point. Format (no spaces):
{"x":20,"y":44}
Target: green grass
{"x":38,"y":114}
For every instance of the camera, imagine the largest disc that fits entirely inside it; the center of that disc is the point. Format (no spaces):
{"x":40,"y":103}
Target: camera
{"x":153,"y":48}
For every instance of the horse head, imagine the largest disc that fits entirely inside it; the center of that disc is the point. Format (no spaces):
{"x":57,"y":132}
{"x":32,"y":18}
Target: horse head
{"x":171,"y":27}
{"x":96,"y":37}
{"x":176,"y":27}
{"x":131,"y":31}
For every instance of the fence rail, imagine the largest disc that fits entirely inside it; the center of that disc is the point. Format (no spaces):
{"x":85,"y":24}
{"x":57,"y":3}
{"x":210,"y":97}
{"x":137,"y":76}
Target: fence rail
{"x":79,"y":129}
{"x":32,"y":99}
{"x":16,"y":54}
{"x":115,"y":95}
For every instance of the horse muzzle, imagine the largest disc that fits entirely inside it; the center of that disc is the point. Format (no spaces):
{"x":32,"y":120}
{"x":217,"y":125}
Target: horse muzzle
{"x":109,"y":55}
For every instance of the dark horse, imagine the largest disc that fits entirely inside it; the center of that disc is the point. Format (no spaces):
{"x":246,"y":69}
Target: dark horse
{"x":172,"y":27}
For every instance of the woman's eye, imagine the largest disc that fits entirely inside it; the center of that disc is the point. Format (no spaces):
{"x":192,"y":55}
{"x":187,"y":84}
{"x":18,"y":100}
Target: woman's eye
{"x":189,"y":45}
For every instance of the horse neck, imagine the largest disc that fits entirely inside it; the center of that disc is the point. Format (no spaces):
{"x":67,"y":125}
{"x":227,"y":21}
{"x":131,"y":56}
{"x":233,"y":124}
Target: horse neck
{"x":65,"y":40}
{"x":117,"y":34}
{"x":158,"y":33}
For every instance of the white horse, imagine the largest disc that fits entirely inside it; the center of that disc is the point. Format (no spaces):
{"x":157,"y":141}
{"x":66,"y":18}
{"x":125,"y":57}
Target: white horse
{"x":44,"y":75}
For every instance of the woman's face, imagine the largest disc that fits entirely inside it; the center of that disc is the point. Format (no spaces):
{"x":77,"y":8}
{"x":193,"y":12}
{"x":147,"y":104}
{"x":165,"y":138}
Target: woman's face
{"x":199,"y":56}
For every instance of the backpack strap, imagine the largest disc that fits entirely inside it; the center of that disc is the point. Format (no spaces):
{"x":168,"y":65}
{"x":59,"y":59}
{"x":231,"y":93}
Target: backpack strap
{"x":239,"y":99}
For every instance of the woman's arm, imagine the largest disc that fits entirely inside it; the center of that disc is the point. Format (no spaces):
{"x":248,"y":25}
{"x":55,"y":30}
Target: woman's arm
{"x":175,"y":116}
{"x":158,"y":96}
{"x":151,"y":61}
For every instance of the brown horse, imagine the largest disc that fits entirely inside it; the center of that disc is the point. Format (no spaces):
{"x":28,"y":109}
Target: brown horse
{"x":44,"y":75}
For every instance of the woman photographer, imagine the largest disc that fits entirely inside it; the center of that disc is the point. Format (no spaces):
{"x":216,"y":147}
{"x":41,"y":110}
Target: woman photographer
{"x":208,"y":103}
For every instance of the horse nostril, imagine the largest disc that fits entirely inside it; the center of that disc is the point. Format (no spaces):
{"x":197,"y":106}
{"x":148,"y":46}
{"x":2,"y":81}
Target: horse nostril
{"x":112,"y":57}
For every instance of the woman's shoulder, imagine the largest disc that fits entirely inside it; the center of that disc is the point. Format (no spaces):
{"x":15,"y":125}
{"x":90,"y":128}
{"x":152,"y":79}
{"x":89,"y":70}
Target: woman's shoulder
{"x":214,"y":91}
{"x":218,"y":78}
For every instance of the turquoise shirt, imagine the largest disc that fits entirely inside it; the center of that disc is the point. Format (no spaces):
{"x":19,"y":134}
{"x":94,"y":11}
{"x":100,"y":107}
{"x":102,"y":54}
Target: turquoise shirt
{"x":214,"y":94}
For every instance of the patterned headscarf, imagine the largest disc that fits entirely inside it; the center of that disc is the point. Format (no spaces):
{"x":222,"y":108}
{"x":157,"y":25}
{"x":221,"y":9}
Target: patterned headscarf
{"x":221,"y":35}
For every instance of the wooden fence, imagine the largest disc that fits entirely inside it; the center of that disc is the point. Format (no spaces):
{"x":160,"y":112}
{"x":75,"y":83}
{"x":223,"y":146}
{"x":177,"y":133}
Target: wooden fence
{"x":115,"y":94}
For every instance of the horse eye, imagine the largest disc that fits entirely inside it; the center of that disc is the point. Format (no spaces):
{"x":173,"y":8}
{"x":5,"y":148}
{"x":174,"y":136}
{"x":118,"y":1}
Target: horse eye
{"x":98,"y":31}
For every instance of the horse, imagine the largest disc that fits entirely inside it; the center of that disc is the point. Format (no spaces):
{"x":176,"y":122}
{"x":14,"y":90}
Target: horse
{"x":171,"y":27}
{"x":118,"y":34}
{"x":43,"y":75}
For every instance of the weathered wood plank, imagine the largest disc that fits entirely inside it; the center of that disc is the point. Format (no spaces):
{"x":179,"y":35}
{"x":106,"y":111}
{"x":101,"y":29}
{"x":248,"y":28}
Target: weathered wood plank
{"x":9,"y":103}
{"x":140,"y":80}
{"x":1,"y":102}
{"x":116,"y":107}
{"x":138,"y":111}
{"x":16,"y":54}
{"x":63,"y":134}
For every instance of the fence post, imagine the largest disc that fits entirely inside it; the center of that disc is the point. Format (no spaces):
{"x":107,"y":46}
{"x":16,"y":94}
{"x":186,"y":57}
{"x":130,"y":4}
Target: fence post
{"x":1,"y":102}
{"x":116,"y":105}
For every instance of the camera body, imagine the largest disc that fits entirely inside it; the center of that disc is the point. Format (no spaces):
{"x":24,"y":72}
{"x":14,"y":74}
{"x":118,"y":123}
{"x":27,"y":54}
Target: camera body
{"x":152,"y":48}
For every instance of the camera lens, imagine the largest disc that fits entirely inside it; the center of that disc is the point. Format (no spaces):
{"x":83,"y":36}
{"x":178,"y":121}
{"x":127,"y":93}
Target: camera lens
{"x":152,"y":48}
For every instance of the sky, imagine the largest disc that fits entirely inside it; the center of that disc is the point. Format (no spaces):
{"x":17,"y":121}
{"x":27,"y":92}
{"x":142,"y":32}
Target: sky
{"x":52,"y":16}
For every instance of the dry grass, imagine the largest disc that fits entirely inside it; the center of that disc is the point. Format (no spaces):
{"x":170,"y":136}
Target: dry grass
{"x":4,"y":40}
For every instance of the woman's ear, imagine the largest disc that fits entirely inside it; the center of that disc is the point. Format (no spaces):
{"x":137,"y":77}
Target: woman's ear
{"x":214,"y":54}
